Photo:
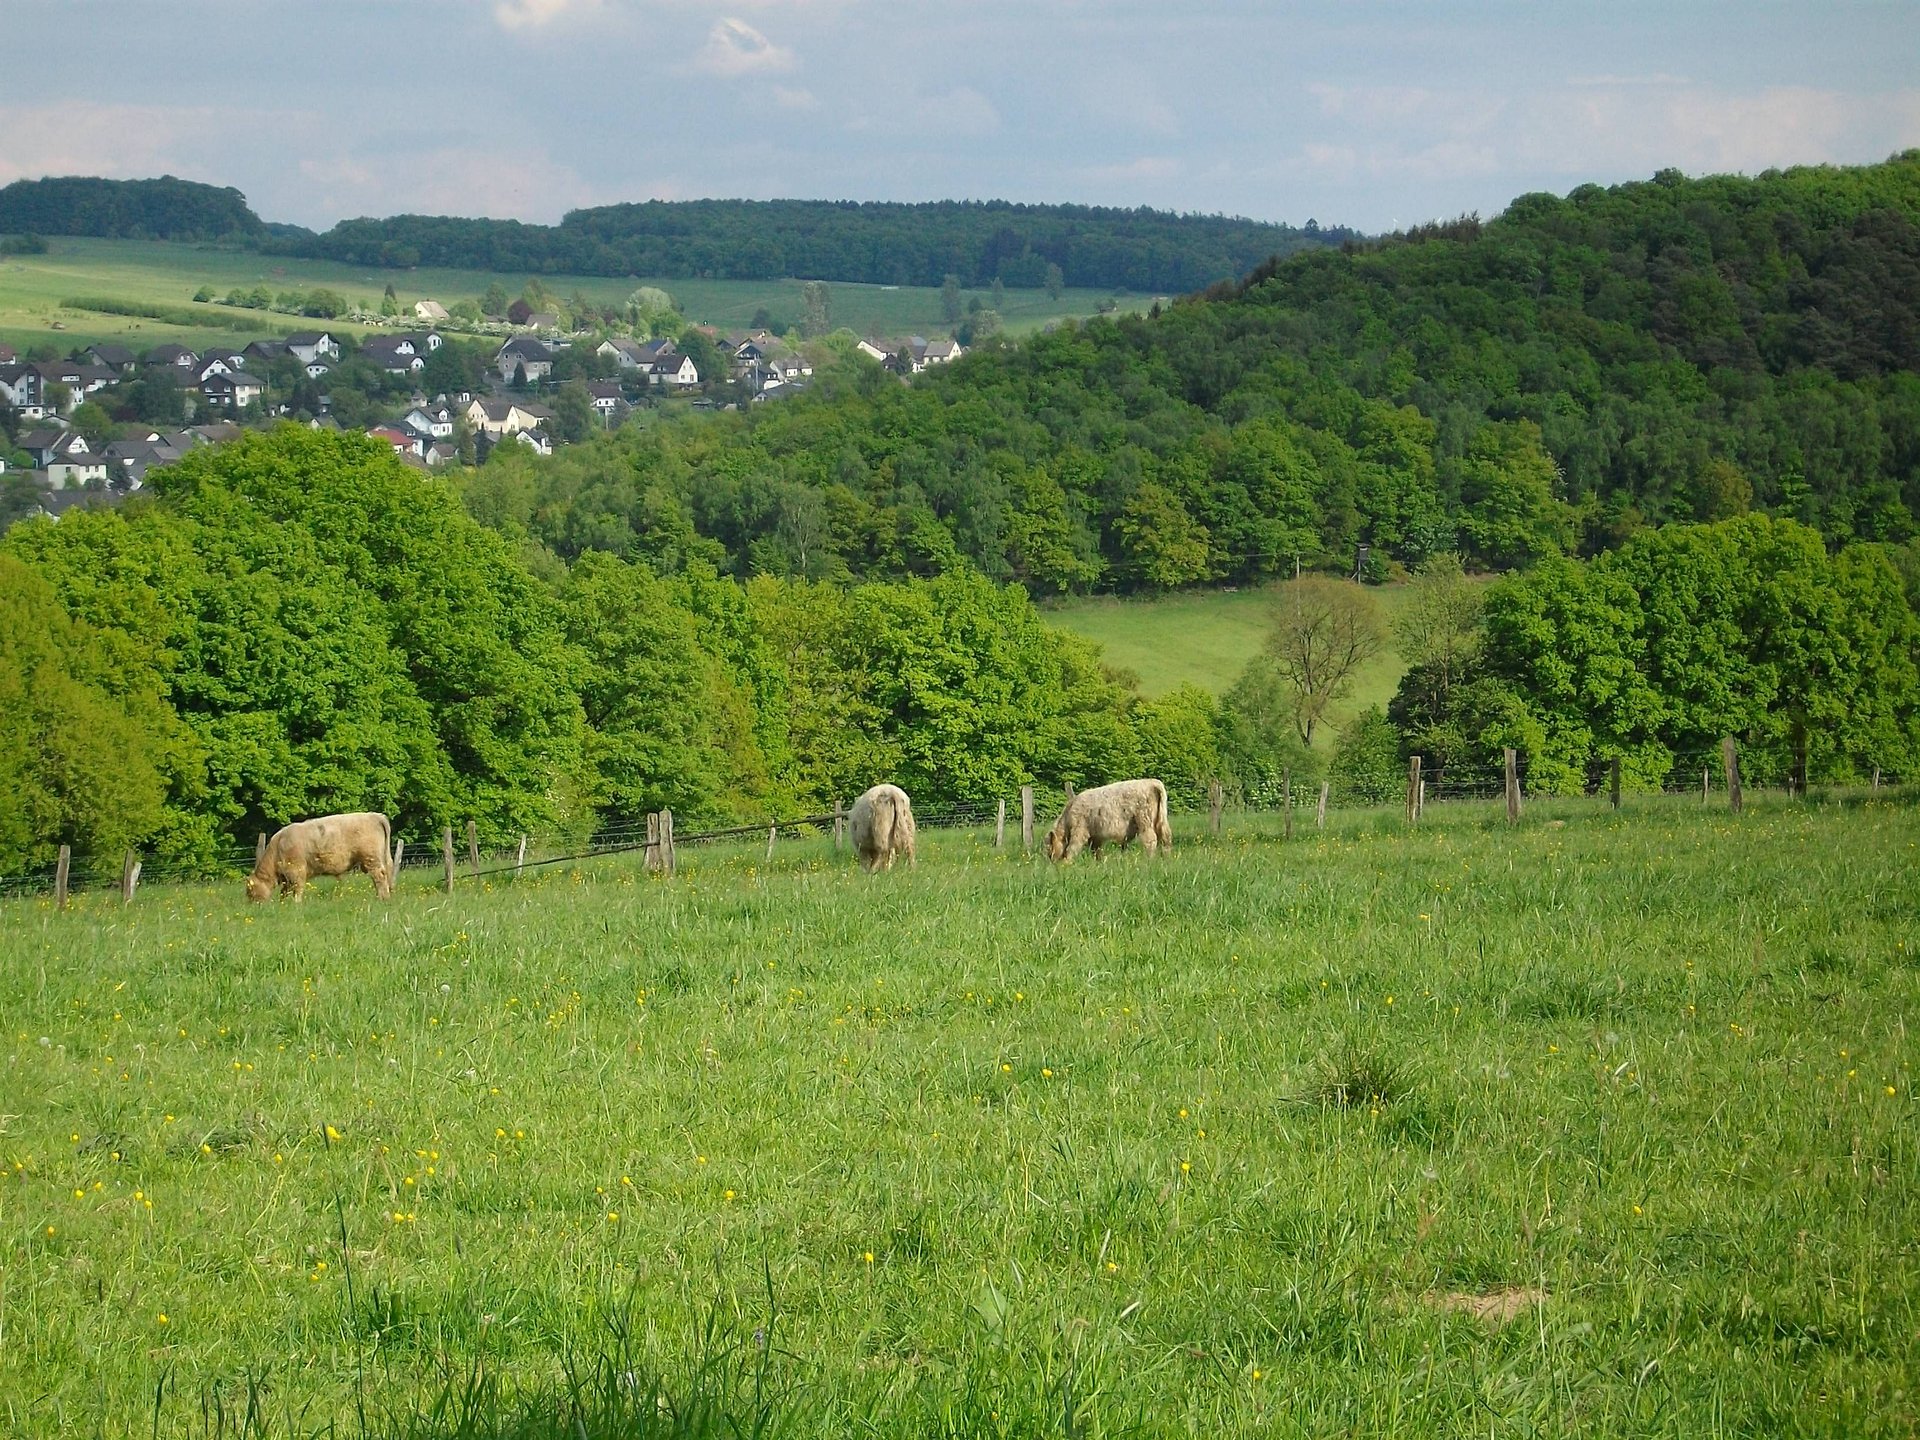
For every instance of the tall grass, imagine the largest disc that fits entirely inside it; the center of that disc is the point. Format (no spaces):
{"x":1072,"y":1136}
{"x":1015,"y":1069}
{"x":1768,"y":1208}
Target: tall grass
{"x":1262,"y":1139}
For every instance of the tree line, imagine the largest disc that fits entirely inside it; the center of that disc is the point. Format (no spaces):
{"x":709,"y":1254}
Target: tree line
{"x":979,"y":242}
{"x":1552,"y":382}
{"x":162,"y":209}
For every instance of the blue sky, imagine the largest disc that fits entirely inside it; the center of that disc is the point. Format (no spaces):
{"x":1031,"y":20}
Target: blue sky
{"x":1373,"y":115}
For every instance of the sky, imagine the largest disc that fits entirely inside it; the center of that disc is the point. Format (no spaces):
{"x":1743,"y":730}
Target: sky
{"x":1374,"y":115}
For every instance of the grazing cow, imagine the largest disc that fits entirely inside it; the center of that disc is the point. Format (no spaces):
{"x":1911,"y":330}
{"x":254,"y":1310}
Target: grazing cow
{"x":881,"y":823}
{"x":1112,"y":815}
{"x":327,"y":845}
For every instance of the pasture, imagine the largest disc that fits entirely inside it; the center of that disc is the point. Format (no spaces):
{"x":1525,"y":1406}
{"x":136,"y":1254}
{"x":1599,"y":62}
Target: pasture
{"x":1206,"y":638}
{"x":1602,"y":1125}
{"x":32,"y":288}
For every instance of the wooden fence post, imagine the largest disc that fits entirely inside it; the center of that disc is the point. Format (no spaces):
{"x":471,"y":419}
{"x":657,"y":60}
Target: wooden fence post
{"x":666,"y":839}
{"x":260,"y":848}
{"x":1420,"y":801}
{"x":1320,"y":818}
{"x":1705,"y":772}
{"x":773,"y":833}
{"x":1730,"y":760}
{"x":61,"y":870}
{"x":1286,"y":801}
{"x":1613,"y":784}
{"x":399,"y":850}
{"x":1216,"y":798}
{"x":129,"y":878}
{"x":839,"y":827}
{"x":1512,"y":758}
{"x":1000,"y":825}
{"x":446,"y":846}
{"x":1413,"y":789}
{"x":473,"y":846}
{"x":1876,"y":777}
{"x":653,"y":859}
{"x":1026,"y":819}
{"x":520,"y":860}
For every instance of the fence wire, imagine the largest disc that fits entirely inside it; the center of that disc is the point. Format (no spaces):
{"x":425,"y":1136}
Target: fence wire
{"x":1698,"y":776}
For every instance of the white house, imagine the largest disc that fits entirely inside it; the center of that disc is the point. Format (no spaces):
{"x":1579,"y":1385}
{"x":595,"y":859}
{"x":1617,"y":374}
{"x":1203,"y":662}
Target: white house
{"x":498,"y":418}
{"x":431,"y":311}
{"x":308,"y":344}
{"x":674,"y":370}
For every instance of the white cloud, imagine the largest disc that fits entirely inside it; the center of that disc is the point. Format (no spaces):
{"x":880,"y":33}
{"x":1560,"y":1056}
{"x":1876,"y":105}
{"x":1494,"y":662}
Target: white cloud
{"x":517,"y":184}
{"x":535,"y":14}
{"x":735,"y":48}
{"x":72,"y":137}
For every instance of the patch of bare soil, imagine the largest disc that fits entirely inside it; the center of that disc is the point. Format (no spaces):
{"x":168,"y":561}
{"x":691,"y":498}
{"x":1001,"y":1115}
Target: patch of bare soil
{"x":1496,"y":1307}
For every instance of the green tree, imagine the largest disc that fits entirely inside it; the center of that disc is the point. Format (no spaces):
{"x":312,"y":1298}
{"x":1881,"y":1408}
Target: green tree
{"x":91,"y":419}
{"x":1366,"y":760}
{"x":818,"y":319}
{"x":950,"y":307}
{"x":1162,"y":544}
{"x":494,"y":300}
{"x":1509,"y":487}
{"x":1056,"y":282}
{"x":572,"y":412}
{"x":1259,"y":744}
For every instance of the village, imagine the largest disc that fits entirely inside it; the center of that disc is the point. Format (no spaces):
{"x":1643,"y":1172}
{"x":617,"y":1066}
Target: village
{"x":437,"y":400}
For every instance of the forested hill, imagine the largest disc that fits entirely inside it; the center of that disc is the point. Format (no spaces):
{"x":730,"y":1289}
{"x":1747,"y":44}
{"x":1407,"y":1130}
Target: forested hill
{"x":1554,"y":379}
{"x":163,"y":209}
{"x":882,"y":244}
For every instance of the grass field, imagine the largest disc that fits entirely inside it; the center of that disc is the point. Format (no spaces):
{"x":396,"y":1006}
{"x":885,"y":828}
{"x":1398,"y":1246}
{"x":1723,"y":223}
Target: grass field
{"x":1207,"y":637}
{"x":1599,"y":1126}
{"x":166,"y":272}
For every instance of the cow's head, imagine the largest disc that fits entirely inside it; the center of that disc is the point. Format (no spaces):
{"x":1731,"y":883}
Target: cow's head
{"x":259,"y":887}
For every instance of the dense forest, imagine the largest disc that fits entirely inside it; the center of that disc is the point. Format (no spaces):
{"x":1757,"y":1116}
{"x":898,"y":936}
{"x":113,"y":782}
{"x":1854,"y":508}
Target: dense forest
{"x":163,"y":209}
{"x":1552,"y":381}
{"x":1022,"y":246}
{"x":977,"y":242}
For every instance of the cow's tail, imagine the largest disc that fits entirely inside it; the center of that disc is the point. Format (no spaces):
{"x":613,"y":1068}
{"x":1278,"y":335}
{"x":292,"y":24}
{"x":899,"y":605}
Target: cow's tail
{"x":1162,"y":825}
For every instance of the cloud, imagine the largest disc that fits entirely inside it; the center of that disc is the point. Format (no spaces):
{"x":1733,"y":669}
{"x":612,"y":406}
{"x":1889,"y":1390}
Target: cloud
{"x":735,"y":48}
{"x":795,"y":99}
{"x":72,"y":137}
{"x":519,"y":184}
{"x":536,"y":14}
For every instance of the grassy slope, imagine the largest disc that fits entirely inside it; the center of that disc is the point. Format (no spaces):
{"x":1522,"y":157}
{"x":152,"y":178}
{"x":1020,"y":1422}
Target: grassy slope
{"x":997,"y":1134}
{"x":31,"y":287}
{"x":1207,"y":637}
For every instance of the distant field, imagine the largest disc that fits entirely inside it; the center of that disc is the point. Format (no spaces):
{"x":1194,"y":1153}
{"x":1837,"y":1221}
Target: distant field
{"x":1206,"y":638}
{"x":1601,"y":1125}
{"x":32,"y":287}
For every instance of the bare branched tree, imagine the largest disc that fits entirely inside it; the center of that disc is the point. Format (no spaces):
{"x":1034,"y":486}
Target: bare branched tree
{"x":1323,"y":632}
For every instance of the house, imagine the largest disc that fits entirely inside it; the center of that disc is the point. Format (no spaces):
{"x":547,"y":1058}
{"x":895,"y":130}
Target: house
{"x":129,"y":460}
{"x":627,"y":354}
{"x":940,"y":352}
{"x":609,"y":404}
{"x":80,"y":378}
{"x":65,"y":455}
{"x":395,"y":354}
{"x":536,"y":440}
{"x":218,"y":361}
{"x":110,"y":357}
{"x":524,"y":352}
{"x":402,"y":443}
{"x":264,"y":352}
{"x":307,"y":344}
{"x":441,"y":454}
{"x":501,"y":417}
{"x":676,"y":370}
{"x":318,"y":369}
{"x":431,"y":311}
{"x":430,"y":422}
{"x":21,"y":389}
{"x":236,"y":390}
{"x":8,"y":355}
{"x":874,"y":352}
{"x":178,"y":356}
{"x":543,"y":320}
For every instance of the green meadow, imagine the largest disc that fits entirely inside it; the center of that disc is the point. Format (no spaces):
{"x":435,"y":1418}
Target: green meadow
{"x":1601,"y":1125}
{"x":1206,"y":638}
{"x":33,"y":287}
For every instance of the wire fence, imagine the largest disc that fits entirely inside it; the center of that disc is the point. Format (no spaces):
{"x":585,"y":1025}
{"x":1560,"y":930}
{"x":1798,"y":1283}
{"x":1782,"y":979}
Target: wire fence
{"x":1312,"y":798}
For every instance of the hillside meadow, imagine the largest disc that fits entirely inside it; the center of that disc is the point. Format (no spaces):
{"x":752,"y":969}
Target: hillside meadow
{"x":1601,"y":1125}
{"x":33,"y":287}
